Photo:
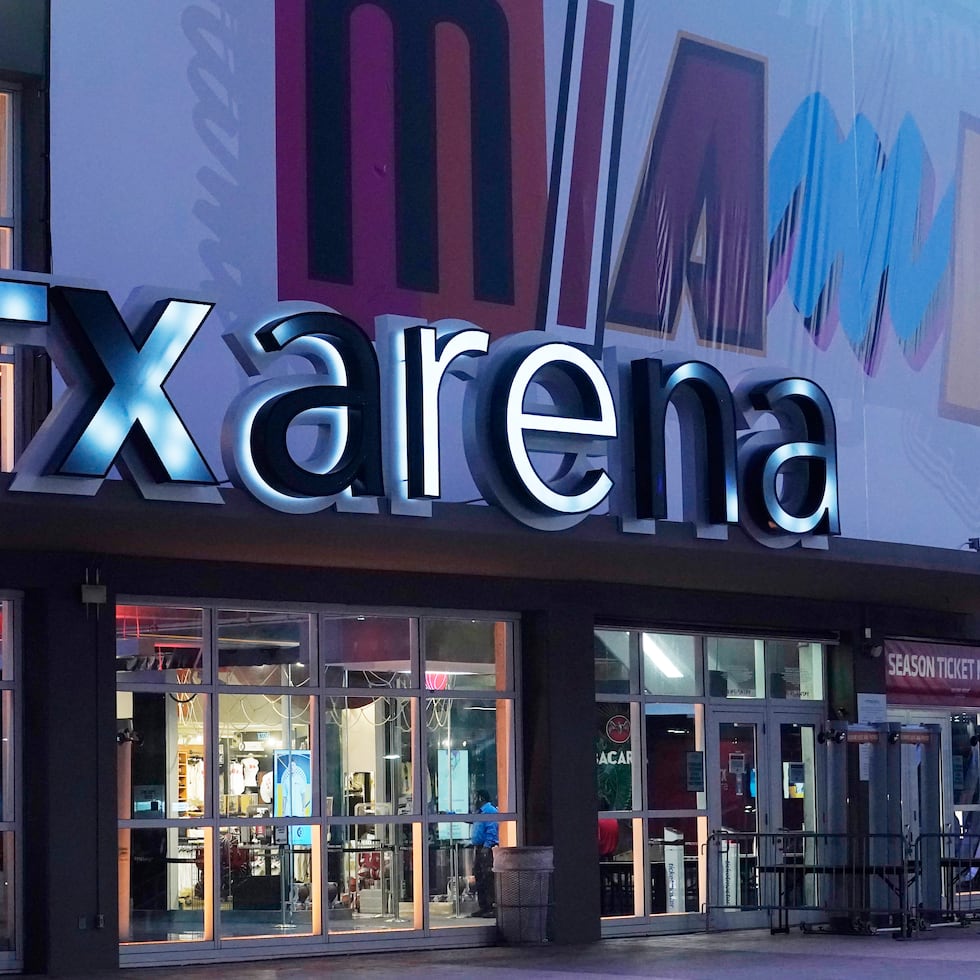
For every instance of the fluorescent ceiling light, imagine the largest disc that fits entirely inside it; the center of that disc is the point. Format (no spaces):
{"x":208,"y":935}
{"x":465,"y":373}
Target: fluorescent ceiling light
{"x":653,"y":651}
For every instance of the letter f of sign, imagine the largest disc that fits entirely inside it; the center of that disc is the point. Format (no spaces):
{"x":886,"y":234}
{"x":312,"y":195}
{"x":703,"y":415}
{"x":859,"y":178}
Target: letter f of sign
{"x":115,"y":410}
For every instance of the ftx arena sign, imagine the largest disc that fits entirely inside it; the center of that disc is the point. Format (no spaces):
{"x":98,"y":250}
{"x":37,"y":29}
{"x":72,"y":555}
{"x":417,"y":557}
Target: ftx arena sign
{"x":551,"y":434}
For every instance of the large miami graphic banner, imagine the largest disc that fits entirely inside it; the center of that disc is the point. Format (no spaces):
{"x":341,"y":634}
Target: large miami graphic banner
{"x":775,"y":188}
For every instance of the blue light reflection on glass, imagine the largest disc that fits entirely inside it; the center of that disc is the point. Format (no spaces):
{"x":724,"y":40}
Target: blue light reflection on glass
{"x":24,"y":301}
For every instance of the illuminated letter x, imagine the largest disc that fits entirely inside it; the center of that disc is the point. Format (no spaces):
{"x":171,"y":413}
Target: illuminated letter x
{"x":118,"y":376}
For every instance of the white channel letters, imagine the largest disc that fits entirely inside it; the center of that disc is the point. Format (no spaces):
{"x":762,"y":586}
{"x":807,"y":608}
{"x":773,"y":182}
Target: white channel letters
{"x":547,"y":437}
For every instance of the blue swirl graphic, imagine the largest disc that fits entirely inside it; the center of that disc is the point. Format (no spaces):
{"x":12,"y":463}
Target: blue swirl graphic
{"x":853,"y":224}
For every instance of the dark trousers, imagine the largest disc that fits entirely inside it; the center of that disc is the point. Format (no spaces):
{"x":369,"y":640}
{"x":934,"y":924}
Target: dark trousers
{"x":483,"y":873}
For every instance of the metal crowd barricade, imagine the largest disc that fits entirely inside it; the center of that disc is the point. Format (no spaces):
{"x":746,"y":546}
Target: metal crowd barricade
{"x":947,"y":885}
{"x":841,"y":882}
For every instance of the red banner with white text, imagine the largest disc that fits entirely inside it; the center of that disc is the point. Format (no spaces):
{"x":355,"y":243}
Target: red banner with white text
{"x":932,"y":673}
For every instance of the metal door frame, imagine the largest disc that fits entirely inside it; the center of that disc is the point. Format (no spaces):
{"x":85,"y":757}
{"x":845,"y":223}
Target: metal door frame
{"x":767,"y":716}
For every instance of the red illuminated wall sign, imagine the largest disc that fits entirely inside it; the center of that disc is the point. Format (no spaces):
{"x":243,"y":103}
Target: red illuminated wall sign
{"x":932,"y":673}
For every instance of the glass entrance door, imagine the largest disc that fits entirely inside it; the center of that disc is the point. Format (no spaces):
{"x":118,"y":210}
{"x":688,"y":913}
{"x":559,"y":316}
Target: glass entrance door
{"x":794,"y":795}
{"x":764,"y":767}
{"x":736,"y":767}
{"x":738,"y":775}
{"x":794,"y":818}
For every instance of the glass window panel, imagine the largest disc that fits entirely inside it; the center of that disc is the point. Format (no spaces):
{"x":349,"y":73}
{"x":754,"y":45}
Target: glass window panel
{"x":463,"y":737}
{"x":6,"y":248}
{"x":6,"y":646}
{"x":617,"y":893}
{"x":159,"y":643}
{"x":6,"y":152}
{"x":965,"y":733}
{"x":614,"y":749}
{"x":675,"y":762}
{"x":368,"y":756}
{"x":614,"y":661}
{"x":734,"y":667}
{"x":452,"y":884}
{"x":367,"y":651}
{"x":7,"y":890}
{"x":162,"y":884}
{"x":675,"y":864}
{"x":463,"y":654}
{"x":8,"y":410}
{"x":615,"y":837}
{"x":264,"y":648}
{"x":795,"y":670}
{"x":371,"y":876}
{"x":739,"y":785}
{"x":161,"y":753}
{"x":267,"y":881}
{"x":462,"y":889}
{"x":669,"y":664}
{"x":265,"y":762}
{"x":738,"y":791}
{"x":7,"y":809}
{"x":797,"y":756}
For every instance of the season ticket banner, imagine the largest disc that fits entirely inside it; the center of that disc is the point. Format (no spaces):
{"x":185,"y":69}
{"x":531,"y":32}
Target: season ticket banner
{"x":932,"y":673}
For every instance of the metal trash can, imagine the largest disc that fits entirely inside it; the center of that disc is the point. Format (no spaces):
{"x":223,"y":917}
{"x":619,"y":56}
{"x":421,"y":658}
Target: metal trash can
{"x":523,"y":883}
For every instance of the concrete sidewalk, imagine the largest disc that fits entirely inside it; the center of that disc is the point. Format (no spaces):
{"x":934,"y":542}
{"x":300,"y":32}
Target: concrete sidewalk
{"x":753,"y":955}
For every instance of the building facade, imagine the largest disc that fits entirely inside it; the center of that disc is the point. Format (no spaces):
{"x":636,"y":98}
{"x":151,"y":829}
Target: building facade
{"x":408,"y":405}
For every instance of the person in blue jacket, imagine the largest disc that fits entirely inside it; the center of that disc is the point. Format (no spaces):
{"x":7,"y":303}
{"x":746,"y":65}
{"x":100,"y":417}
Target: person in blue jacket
{"x":484,"y":838}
